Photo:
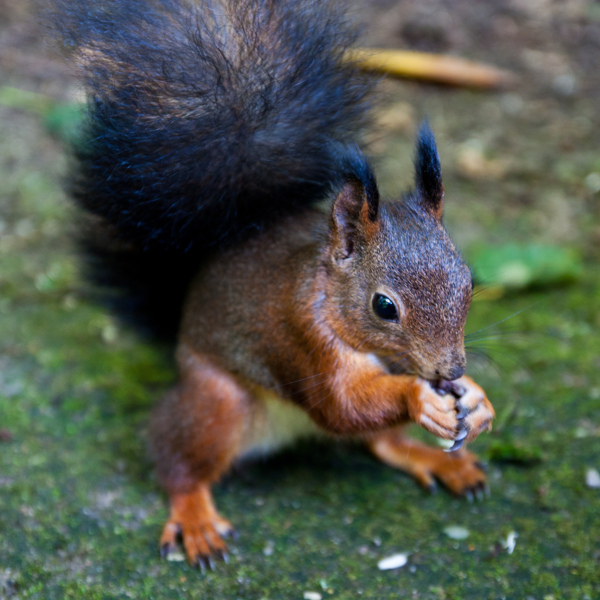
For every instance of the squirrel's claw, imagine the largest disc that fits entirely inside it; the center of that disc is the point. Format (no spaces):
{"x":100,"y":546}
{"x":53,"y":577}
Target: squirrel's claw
{"x":165,"y":550}
{"x":228,"y":532}
{"x":443,"y":387}
{"x":463,"y":432}
{"x":479,"y":492}
{"x":458,"y":444}
{"x":463,"y":412}
{"x":205,"y":562}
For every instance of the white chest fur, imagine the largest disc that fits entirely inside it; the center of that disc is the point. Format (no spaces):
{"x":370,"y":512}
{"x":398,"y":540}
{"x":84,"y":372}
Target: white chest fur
{"x":275,"y":424}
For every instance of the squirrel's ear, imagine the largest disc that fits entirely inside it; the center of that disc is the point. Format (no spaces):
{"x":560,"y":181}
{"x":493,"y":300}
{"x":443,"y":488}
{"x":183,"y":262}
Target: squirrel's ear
{"x":354,"y":216}
{"x":428,"y":176}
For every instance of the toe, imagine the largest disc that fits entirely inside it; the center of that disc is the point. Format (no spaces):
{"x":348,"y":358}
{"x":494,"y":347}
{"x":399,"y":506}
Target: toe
{"x":462,"y":477}
{"x":168,"y":539}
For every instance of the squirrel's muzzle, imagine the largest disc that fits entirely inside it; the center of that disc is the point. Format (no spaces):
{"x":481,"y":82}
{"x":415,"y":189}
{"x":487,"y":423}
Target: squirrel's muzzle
{"x":452,"y":365}
{"x":454,"y":373}
{"x":449,"y":365}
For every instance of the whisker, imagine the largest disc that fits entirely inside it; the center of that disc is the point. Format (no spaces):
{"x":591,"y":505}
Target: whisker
{"x":497,"y":335}
{"x":305,"y":378}
{"x":502,"y":320}
{"x":314,"y":386}
{"x":309,"y":389}
{"x":488,"y":346}
{"x":310,"y":353}
{"x":483,"y":357}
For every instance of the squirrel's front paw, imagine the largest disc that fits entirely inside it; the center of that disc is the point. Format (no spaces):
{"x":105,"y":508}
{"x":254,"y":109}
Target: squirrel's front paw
{"x":453,"y":410}
{"x":475,"y":411}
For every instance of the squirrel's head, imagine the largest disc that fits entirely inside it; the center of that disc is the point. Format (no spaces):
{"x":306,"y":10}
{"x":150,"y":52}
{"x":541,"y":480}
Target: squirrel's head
{"x":400,"y":287}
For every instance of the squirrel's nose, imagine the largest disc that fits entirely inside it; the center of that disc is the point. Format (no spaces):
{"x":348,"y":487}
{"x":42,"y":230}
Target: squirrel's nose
{"x":456,"y":372}
{"x":454,"y":367}
{"x":449,"y":374}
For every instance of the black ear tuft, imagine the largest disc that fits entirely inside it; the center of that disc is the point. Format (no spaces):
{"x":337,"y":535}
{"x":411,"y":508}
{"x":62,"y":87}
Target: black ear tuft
{"x":428,"y":176}
{"x":356,"y":206}
{"x":353,"y":165}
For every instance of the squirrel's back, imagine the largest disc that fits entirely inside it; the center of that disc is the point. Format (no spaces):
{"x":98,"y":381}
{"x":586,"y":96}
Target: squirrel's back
{"x":205,"y":121}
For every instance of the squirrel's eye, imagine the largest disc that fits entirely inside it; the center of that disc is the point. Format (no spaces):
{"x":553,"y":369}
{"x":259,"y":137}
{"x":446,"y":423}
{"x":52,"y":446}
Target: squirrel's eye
{"x":384,"y":308}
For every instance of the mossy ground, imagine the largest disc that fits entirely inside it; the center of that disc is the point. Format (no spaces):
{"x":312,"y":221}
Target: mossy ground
{"x":80,"y":511}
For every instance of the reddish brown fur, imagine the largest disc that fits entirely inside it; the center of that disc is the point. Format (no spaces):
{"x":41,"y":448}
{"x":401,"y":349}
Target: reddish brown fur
{"x":197,"y":428}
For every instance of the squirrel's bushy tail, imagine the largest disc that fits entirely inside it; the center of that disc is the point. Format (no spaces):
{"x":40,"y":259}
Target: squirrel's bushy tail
{"x":206,"y":119}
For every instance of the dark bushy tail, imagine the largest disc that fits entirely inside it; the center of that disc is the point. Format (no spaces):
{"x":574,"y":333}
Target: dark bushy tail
{"x":206,"y":120}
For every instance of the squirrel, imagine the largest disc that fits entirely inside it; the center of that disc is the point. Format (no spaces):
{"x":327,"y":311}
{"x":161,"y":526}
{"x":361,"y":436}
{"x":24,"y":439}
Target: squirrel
{"x":228,"y":204}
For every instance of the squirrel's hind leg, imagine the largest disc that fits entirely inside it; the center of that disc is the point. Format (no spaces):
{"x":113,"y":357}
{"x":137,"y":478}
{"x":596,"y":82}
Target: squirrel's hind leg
{"x":196,"y":433}
{"x":460,"y":471}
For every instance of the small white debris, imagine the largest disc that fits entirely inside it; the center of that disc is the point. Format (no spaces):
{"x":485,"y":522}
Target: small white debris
{"x":592,"y":478}
{"x":312,"y":596}
{"x":175,"y":557}
{"x":392,"y":562}
{"x":565,"y":84}
{"x":457,"y":532}
{"x":592,"y":182}
{"x":269,"y":547}
{"x":109,"y":333}
{"x":444,"y":443}
{"x":511,"y":542}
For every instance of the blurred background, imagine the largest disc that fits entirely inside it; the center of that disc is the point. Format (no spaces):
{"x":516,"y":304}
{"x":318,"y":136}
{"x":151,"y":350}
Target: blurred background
{"x":81,"y":511}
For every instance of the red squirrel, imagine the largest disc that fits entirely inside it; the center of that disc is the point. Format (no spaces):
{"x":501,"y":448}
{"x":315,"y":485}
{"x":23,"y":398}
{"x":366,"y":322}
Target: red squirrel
{"x":228,"y":204}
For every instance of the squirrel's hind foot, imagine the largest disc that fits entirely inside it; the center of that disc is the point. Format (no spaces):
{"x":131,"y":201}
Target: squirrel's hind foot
{"x":459,"y":472}
{"x":195,"y":521}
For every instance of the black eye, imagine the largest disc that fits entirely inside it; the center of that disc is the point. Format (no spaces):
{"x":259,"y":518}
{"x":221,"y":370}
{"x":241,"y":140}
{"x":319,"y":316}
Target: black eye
{"x":384,"y":308}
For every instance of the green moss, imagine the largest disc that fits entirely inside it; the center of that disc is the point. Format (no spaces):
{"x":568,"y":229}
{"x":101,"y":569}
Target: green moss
{"x":514,"y":452}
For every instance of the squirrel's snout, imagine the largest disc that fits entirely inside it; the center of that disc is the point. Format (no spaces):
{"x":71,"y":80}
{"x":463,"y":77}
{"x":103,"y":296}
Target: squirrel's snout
{"x":449,"y":370}
{"x":454,"y":372}
{"x":453,"y":367}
